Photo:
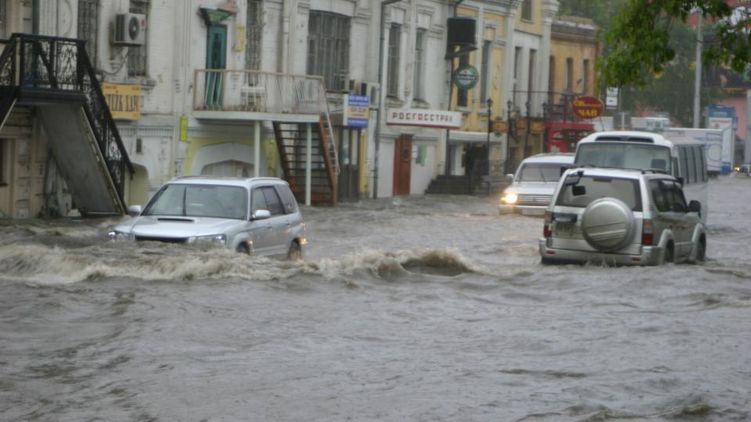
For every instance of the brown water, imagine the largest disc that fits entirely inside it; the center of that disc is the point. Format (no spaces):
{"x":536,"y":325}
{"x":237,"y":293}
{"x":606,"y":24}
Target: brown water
{"x":432,"y":308}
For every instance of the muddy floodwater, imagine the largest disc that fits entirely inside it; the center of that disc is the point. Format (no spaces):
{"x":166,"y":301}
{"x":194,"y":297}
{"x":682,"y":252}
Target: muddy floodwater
{"x":427,"y":308}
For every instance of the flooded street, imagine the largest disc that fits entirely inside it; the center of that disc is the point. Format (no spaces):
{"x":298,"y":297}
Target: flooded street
{"x":421,"y":309}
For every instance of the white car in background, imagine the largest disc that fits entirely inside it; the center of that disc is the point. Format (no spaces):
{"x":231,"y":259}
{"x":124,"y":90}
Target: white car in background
{"x":533,"y":183}
{"x":257,"y":216}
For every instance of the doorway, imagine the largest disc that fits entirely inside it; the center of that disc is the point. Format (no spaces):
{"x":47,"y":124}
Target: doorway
{"x":402,"y":164}
{"x":6,"y":176}
{"x":216,"y":59}
{"x":349,"y":170}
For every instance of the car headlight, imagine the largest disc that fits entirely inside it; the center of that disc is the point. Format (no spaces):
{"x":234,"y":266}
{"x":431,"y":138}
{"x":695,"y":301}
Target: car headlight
{"x":217,"y":239}
{"x":509,"y":198}
{"x":115,"y":235}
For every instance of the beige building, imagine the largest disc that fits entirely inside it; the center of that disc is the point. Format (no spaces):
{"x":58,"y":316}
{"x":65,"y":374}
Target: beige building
{"x":574,"y":52}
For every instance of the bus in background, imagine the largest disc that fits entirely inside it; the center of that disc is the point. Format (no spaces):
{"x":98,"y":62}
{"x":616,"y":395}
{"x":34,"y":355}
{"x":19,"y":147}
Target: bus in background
{"x":681,"y":157}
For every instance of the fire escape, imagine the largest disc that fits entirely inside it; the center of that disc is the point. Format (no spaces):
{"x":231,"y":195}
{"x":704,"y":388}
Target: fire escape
{"x":55,"y":77}
{"x":297,"y":108}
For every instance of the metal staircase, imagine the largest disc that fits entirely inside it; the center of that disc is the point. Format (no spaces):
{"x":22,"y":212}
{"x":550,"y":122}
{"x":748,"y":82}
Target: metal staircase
{"x":291,"y":141}
{"x":54,"y":75}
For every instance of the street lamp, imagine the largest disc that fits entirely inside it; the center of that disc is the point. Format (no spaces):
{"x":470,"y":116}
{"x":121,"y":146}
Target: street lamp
{"x":487,"y":142}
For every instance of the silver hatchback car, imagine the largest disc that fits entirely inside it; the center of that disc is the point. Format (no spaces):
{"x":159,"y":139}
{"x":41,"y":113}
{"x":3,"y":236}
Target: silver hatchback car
{"x":258,"y":216}
{"x":621,"y":217}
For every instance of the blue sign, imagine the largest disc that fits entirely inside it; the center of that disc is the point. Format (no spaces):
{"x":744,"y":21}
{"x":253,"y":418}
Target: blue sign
{"x":356,"y":111}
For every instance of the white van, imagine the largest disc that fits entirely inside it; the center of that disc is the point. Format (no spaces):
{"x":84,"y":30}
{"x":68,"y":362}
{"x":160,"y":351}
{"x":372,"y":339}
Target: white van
{"x":681,"y":157}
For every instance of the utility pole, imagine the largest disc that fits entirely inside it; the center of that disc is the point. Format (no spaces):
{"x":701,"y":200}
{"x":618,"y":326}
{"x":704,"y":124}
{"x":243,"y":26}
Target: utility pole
{"x":697,"y":75}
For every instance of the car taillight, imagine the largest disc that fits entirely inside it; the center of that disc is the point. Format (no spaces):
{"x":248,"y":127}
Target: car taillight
{"x":547,"y":229}
{"x":647,"y":233}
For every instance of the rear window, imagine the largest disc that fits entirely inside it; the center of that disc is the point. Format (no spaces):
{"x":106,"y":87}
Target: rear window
{"x":581,"y":192}
{"x":541,"y":172}
{"x":624,"y":155}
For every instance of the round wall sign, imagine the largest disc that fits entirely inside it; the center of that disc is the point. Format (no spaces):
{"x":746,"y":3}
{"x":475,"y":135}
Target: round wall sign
{"x":466,"y":77}
{"x":587,"y":107}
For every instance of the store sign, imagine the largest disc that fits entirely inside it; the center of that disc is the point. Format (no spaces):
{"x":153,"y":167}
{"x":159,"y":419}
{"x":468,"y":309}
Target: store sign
{"x":124,"y":101}
{"x":466,"y":77}
{"x":587,"y":107}
{"x":356,"y":111}
{"x":500,"y":126}
{"x":537,"y":127}
{"x":424,"y":118}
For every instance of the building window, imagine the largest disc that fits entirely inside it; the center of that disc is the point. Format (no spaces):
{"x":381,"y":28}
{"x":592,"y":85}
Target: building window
{"x":551,"y":80}
{"x":485,"y":82}
{"x":328,"y":48}
{"x":585,"y":76}
{"x":395,"y":42}
{"x":531,"y":87}
{"x":254,"y":29}
{"x":462,"y":95}
{"x":4,"y":18}
{"x":87,"y":27}
{"x":420,"y":47}
{"x":527,"y":10}
{"x":517,"y":72}
{"x":570,"y":75}
{"x":137,"y":55}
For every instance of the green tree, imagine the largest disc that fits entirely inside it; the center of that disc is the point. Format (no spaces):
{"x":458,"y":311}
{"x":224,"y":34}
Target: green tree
{"x":672,"y":89}
{"x":638,"y":40}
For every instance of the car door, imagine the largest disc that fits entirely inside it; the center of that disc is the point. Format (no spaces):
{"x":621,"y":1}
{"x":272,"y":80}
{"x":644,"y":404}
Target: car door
{"x":261,"y":230}
{"x":278,"y":222}
{"x":683,"y":222}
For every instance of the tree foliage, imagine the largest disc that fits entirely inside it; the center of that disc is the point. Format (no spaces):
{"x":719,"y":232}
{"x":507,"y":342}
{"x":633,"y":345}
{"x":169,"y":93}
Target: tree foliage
{"x":638,"y":40}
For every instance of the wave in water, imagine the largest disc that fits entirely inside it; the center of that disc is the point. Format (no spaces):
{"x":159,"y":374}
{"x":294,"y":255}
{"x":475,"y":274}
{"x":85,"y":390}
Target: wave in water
{"x":43,"y":265}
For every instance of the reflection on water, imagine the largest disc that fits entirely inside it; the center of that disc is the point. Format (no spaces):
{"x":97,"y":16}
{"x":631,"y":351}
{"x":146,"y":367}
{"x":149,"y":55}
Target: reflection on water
{"x":430,"y":308}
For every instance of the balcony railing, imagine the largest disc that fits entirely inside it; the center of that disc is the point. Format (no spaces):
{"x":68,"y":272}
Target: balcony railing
{"x":255,"y":91}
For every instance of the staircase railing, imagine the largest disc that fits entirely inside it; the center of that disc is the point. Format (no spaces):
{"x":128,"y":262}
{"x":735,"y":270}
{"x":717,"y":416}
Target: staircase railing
{"x":266,"y":92}
{"x":62,"y":64}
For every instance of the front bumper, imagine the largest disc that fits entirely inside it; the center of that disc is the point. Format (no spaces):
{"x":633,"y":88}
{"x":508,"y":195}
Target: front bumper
{"x":650,"y":255}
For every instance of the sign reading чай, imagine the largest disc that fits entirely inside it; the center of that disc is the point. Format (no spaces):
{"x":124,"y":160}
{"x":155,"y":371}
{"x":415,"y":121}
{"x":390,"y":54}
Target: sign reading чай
{"x":587,"y":107}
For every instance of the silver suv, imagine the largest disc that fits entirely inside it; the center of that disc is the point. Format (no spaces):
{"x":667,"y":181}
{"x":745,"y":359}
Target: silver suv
{"x":257,"y":216}
{"x":621,"y":217}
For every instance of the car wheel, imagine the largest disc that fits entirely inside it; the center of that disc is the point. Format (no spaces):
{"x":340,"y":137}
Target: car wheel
{"x":546,"y":261}
{"x":295,"y":252}
{"x":608,"y":224}
{"x":669,"y":254}
{"x":701,"y":251}
{"x":243,"y":248}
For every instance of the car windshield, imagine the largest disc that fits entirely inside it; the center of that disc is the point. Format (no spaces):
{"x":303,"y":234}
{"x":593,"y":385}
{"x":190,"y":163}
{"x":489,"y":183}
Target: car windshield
{"x":585,"y":189}
{"x":199,"y":201}
{"x":541,"y":172}
{"x":624,"y":155}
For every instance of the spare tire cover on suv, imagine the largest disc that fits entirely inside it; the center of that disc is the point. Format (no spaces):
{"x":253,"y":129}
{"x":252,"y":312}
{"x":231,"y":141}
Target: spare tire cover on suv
{"x":607,"y":224}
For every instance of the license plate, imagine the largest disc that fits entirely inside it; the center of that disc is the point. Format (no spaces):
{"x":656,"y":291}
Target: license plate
{"x":565,"y":228}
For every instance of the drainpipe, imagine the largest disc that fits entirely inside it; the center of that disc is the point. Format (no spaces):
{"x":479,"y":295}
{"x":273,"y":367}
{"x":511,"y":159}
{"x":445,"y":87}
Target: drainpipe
{"x":377,"y":134}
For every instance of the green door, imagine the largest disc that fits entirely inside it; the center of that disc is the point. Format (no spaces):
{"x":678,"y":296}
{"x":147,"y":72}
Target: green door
{"x":216,"y":58}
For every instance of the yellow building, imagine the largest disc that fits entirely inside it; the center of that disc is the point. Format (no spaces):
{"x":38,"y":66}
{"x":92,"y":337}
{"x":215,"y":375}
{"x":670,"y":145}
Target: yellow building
{"x":574,"y":53}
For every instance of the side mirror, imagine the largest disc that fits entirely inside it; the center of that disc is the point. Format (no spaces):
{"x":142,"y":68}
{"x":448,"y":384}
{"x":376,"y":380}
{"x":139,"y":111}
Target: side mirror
{"x":134,"y":210}
{"x":510,"y":177}
{"x":261,"y":215}
{"x":694,"y":206}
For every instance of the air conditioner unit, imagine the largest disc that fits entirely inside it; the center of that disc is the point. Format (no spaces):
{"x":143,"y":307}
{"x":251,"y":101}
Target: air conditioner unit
{"x":130,"y":29}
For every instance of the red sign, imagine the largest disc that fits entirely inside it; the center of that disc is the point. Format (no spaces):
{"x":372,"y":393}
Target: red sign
{"x":587,"y":107}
